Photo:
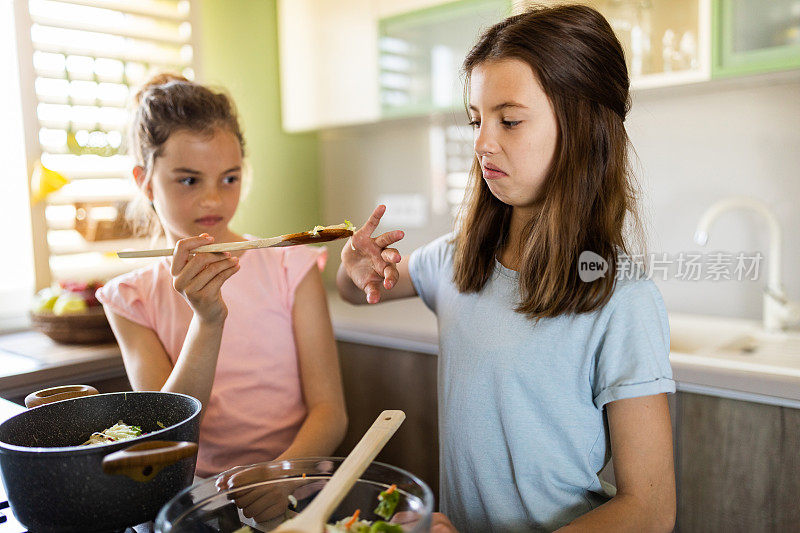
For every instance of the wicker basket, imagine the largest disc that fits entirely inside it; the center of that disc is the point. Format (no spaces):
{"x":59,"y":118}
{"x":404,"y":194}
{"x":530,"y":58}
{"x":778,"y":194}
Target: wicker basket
{"x":88,"y":327}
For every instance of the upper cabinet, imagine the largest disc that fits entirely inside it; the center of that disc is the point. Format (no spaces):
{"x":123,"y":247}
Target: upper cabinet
{"x":328,"y":63}
{"x":420,"y":54}
{"x":666,"y":42}
{"x":347,"y":62}
{"x":752,"y":36}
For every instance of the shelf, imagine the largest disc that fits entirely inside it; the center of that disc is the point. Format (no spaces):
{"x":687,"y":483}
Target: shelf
{"x":94,"y":191}
{"x":67,"y":242}
{"x":94,"y":265}
{"x":668,"y":79}
{"x":721,"y":84}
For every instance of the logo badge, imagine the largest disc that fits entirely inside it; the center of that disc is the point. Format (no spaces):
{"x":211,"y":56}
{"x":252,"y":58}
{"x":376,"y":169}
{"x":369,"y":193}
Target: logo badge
{"x":591,"y":266}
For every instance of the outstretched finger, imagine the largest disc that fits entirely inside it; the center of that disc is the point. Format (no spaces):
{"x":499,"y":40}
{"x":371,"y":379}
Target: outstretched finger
{"x":390,"y":237}
{"x":374,"y":219}
{"x":361,"y":241}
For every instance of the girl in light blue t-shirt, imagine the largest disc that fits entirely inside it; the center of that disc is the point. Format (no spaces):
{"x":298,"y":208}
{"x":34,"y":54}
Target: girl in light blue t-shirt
{"x":553,"y":354}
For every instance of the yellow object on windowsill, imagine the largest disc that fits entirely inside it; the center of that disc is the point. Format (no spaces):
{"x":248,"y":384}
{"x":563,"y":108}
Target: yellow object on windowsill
{"x":44,"y":182}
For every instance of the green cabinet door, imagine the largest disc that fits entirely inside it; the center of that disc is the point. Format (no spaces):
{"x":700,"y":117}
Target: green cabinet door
{"x":420,"y":54}
{"x":753,"y":36}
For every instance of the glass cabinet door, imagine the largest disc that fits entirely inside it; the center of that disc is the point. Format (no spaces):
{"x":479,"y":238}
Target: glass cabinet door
{"x":666,"y":42}
{"x":420,"y":54}
{"x":756,"y":36}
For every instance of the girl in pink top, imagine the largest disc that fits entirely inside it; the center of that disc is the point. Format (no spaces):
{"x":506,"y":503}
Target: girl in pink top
{"x":247,"y":334}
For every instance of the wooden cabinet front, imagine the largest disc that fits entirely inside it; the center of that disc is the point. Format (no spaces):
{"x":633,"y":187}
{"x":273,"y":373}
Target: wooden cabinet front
{"x":738,"y":465}
{"x":376,"y":379}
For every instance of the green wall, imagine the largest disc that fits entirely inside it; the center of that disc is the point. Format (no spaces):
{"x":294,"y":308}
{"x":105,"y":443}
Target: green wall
{"x":239,"y":51}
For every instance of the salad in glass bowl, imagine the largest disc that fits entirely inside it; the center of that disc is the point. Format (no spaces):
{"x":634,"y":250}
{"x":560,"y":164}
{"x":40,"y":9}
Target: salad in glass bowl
{"x":260,"y":497}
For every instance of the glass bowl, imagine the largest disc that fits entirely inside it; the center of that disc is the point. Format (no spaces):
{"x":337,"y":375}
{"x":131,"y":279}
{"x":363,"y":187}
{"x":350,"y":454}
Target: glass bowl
{"x":263,"y":496}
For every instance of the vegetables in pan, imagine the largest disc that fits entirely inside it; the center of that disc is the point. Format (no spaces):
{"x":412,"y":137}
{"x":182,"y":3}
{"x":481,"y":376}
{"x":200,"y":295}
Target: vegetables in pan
{"x":118,"y":432}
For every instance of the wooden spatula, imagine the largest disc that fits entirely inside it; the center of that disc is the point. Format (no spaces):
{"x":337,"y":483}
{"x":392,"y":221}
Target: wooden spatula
{"x":291,"y":239}
{"x":313,"y":518}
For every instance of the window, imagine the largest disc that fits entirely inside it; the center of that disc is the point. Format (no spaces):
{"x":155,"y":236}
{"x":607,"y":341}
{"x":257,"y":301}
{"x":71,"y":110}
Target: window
{"x":16,"y":276}
{"x":452,"y":154}
{"x":80,"y":64}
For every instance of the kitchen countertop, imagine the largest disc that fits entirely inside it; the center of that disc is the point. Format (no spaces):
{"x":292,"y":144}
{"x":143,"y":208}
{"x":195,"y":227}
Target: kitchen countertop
{"x":409,"y":325}
{"x":401,"y":324}
{"x":30,"y":359}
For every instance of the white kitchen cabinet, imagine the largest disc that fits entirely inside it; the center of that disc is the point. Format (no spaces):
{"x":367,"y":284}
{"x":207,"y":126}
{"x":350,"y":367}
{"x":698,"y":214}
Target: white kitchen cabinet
{"x":390,"y":8}
{"x":421,"y":52}
{"x":666,"y":42}
{"x":334,"y":61}
{"x":328,"y":63}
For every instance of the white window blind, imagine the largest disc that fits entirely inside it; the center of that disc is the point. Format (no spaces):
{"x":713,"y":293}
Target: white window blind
{"x":88,"y":58}
{"x":452,"y":153}
{"x":16,"y":272}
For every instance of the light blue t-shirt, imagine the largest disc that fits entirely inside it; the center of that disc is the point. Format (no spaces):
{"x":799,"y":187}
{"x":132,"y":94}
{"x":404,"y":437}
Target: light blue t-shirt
{"x":522,"y":431}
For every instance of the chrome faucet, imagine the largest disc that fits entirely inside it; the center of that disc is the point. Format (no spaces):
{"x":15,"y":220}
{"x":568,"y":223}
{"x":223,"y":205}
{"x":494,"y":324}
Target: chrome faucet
{"x":778,"y":311}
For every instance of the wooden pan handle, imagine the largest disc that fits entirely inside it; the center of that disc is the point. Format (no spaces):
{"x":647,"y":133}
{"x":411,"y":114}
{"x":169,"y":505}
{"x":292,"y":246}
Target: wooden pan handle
{"x":141,"y":462}
{"x":56,"y":394}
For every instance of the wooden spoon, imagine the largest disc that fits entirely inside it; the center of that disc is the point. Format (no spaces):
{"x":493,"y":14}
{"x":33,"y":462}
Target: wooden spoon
{"x":314,"y":517}
{"x":291,"y":239}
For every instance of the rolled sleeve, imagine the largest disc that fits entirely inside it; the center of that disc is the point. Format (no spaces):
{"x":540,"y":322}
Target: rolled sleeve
{"x":633,"y":357}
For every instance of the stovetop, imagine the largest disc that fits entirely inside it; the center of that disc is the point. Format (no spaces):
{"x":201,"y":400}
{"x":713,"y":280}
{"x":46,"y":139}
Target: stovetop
{"x":8,"y":522}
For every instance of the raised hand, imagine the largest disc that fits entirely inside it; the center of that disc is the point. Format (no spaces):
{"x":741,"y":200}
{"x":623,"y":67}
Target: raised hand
{"x":368,"y":261}
{"x":199,"y":277}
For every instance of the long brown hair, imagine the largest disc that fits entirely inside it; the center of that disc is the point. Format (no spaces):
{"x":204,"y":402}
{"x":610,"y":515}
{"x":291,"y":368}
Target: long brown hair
{"x":589,"y":188}
{"x":163,"y":105}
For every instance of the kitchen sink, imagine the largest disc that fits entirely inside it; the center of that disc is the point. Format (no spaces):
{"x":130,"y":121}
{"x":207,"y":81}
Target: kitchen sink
{"x":697,"y":334}
{"x":734,"y":344}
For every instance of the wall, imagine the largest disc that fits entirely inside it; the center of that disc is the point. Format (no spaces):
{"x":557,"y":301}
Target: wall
{"x":695,"y":145}
{"x":239,"y":51}
{"x":698,"y":148}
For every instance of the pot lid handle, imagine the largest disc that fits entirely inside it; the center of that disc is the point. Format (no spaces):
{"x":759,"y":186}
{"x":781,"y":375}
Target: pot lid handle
{"x":56,"y":394}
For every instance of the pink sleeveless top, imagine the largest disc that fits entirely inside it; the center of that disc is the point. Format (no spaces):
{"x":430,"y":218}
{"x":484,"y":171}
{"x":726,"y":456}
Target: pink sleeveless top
{"x":256,"y":405}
